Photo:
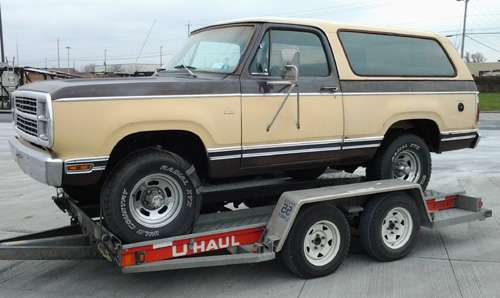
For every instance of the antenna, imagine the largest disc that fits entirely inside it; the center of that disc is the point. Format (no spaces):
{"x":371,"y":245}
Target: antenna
{"x":145,"y":42}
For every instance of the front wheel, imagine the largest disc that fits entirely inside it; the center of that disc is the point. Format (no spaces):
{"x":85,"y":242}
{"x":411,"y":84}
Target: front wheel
{"x":406,"y":157}
{"x":152,"y":194}
{"x":389,"y":226}
{"x":318,"y":241}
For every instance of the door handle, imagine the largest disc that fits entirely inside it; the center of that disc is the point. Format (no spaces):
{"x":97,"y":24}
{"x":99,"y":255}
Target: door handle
{"x":333,"y":89}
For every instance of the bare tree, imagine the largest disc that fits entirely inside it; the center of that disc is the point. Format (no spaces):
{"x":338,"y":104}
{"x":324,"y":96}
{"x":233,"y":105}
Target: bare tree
{"x":114,"y":68}
{"x":89,"y":68}
{"x":467,"y":58}
{"x":478,"y":58}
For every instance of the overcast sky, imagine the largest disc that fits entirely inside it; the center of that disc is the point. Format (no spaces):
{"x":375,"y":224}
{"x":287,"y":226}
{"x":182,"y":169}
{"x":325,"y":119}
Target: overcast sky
{"x":31,"y":28}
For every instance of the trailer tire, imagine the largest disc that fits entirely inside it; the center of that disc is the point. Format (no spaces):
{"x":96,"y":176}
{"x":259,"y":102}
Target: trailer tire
{"x":318,"y":241}
{"x":151,"y":194}
{"x":389,"y":226}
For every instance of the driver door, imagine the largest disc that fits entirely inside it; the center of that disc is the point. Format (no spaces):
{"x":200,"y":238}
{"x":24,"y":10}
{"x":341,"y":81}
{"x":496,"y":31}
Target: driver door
{"x":285,"y":145}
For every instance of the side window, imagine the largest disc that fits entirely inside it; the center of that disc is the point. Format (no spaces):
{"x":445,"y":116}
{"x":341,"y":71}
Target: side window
{"x":377,"y":54}
{"x":313,"y":60}
{"x":260,"y":63}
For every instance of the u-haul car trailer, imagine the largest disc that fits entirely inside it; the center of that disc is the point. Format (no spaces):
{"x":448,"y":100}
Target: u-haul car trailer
{"x":310,"y":226}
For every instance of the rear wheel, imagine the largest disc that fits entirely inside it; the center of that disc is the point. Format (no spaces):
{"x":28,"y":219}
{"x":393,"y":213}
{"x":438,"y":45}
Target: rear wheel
{"x":152,"y":194}
{"x":389,"y":226}
{"x":405,"y":157}
{"x":318,"y":241}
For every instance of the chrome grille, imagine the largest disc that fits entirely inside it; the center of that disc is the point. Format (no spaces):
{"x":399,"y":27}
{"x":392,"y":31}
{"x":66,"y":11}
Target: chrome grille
{"x":28,"y":126}
{"x":26,"y":105}
{"x":33,"y":117}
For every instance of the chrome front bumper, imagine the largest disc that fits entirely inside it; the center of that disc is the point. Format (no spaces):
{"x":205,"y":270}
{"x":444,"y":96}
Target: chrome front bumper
{"x":36,"y":163}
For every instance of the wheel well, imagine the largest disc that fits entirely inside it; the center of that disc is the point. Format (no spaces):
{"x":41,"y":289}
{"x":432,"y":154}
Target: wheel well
{"x":183,"y":143}
{"x":426,"y":129}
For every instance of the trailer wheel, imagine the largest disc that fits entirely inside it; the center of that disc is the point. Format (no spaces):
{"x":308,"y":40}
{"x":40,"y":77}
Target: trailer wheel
{"x":318,"y":241}
{"x":406,"y":157}
{"x":152,"y":194}
{"x":389,"y":226}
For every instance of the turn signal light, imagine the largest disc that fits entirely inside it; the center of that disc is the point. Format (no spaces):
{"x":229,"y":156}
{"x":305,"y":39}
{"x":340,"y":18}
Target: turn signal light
{"x":78,"y":168}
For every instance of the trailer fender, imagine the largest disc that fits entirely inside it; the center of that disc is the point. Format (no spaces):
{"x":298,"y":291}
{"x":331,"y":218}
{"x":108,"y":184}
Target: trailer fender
{"x":290,"y":203}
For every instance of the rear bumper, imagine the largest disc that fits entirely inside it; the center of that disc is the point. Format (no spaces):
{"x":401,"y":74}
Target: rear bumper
{"x":459,"y":140}
{"x":37,"y":163}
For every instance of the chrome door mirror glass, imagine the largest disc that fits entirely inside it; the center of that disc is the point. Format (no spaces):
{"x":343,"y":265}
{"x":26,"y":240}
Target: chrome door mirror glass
{"x":290,"y":59}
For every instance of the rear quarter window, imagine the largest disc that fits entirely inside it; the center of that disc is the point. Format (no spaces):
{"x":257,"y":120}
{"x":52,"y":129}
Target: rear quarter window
{"x":381,"y":54}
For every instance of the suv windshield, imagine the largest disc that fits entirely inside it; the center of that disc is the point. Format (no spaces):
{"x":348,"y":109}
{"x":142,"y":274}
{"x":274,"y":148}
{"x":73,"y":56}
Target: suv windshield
{"x":214,"y":50}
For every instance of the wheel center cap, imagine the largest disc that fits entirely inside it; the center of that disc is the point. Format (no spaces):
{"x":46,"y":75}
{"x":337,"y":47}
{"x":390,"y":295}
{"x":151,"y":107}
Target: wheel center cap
{"x":153,"y":199}
{"x":157,"y":201}
{"x":402,"y":170}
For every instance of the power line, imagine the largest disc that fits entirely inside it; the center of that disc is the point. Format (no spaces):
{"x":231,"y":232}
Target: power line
{"x":483,"y":44}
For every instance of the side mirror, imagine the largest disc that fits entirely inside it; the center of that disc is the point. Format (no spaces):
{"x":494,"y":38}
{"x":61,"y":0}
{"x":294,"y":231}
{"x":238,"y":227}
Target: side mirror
{"x":290,"y":59}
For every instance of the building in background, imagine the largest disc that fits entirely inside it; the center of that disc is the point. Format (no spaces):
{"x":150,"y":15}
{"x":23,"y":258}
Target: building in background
{"x":484,"y":69}
{"x":126,"y":70}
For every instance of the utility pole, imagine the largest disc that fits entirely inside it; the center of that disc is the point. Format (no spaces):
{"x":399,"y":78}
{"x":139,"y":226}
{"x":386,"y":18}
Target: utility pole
{"x":58,"y":60}
{"x":463,"y":31}
{"x":189,"y":28}
{"x":1,"y":38}
{"x":68,"y":58}
{"x":161,"y":61}
{"x":105,"y":61}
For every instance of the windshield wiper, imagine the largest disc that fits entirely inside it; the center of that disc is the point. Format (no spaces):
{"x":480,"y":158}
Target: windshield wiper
{"x":188,"y":68}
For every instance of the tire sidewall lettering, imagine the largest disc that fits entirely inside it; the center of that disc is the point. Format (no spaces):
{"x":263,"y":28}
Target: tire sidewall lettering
{"x":184,"y":180}
{"x":124,"y":210}
{"x":411,"y":146}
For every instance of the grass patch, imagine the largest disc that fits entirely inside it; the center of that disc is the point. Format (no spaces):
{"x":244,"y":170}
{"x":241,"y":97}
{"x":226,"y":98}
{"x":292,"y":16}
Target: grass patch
{"x":489,"y":101}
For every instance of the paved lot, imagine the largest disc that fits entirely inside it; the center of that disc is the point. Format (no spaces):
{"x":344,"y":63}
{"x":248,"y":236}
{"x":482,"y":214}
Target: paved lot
{"x":459,"y":261}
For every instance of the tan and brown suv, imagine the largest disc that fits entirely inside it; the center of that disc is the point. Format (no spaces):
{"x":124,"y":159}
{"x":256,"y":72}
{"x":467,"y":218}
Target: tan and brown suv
{"x":247,"y":97}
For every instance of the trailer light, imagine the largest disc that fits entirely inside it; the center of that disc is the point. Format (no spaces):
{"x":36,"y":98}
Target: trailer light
{"x":480,"y":204}
{"x":128,"y":260}
{"x":140,"y":257}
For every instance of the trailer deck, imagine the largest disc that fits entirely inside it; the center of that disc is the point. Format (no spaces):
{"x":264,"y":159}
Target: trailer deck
{"x":231,"y":237}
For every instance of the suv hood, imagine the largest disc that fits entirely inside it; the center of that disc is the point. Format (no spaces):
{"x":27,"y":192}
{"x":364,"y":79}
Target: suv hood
{"x":135,"y":87}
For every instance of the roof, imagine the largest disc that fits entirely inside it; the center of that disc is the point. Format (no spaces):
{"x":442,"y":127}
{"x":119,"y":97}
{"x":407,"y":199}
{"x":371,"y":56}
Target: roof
{"x":329,"y":26}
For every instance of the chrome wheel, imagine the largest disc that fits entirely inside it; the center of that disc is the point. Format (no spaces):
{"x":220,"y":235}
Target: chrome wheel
{"x":156,"y":200}
{"x":397,"y":228}
{"x":322,"y":243}
{"x":407,"y":166}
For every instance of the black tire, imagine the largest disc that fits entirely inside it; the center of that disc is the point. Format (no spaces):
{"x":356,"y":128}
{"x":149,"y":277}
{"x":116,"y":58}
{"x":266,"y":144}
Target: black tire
{"x":405,"y":157}
{"x":318,"y":241}
{"x":152,"y":194}
{"x":389,"y":226}
{"x":305,"y":174}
